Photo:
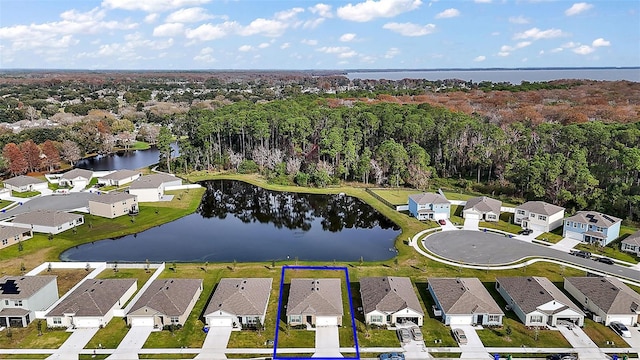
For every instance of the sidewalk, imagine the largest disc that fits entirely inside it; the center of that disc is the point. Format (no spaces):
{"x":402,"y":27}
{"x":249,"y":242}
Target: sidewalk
{"x":565,"y":244}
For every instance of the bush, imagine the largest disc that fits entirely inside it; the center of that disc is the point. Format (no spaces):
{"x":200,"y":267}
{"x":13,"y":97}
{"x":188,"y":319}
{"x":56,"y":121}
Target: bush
{"x":248,"y":167}
{"x":302,"y":179}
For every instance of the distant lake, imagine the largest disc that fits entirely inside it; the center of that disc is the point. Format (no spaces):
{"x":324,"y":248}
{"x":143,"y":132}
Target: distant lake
{"x":514,"y":76}
{"x":130,"y":159}
{"x":242,"y":222}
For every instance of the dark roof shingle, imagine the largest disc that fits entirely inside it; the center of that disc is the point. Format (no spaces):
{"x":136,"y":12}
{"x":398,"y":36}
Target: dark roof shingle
{"x":170,"y":297}
{"x":241,"y":296}
{"x":388,"y":294}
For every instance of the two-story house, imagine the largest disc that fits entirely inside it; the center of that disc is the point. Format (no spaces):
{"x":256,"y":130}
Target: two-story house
{"x":592,"y":227}
{"x":22,"y":296}
{"x":538,"y":216}
{"x":631,"y":244}
{"x":429,"y":206}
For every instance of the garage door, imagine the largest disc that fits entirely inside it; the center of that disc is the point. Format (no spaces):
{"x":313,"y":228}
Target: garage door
{"x":472,"y":216}
{"x":573,"y":235}
{"x":86,"y":323}
{"x":142,"y":321}
{"x":627,"y":320}
{"x":536,"y":227}
{"x":219,"y":321}
{"x":460,"y":320}
{"x":326,"y":320}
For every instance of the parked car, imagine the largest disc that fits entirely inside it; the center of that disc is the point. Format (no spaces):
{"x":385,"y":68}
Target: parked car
{"x":459,"y":335}
{"x":442,"y":222}
{"x":526,"y":231}
{"x":392,"y":356}
{"x":620,"y":328}
{"x":404,"y":335}
{"x":562,"y":357}
{"x":606,"y":260}
{"x":582,"y":254}
{"x":416,"y":333}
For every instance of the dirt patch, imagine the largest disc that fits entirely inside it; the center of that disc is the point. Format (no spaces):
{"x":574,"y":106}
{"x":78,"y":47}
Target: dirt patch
{"x":67,"y":278}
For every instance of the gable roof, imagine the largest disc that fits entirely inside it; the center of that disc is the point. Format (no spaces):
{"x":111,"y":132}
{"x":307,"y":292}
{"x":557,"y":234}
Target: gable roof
{"x":23,"y":180}
{"x":94,"y":297}
{"x":151,"y":181}
{"x":247,"y":296}
{"x":170,"y":297}
{"x":110,"y":198}
{"x":463,"y":296}
{"x":608,"y":293}
{"x":540,"y":207}
{"x":388,"y":294}
{"x":46,"y":217}
{"x":633,"y":239}
{"x":532,"y":291}
{"x":428,"y":198}
{"x":120,"y":174}
{"x":8,"y":232}
{"x":483,"y":204}
{"x":76,"y":173}
{"x":23,"y":287}
{"x":593,"y":218}
{"x":322,"y":297}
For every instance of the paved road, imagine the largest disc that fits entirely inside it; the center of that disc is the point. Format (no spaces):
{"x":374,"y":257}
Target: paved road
{"x":54,"y":202}
{"x":480,"y":248}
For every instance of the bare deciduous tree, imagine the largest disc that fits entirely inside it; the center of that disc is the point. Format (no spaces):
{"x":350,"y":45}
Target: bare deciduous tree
{"x":275,"y":158}
{"x":261,"y":156}
{"x":293,"y":165}
{"x":235,"y":159}
{"x":71,"y":152}
{"x":377,"y":171}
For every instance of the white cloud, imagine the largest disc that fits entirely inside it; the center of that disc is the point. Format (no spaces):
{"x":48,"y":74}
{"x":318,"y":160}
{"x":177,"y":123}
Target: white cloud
{"x":410,"y":29}
{"x":537,"y":34}
{"x":391,"y":53}
{"x":151,"y":5}
{"x":151,"y":18}
{"x":570,"y":45}
{"x":265,"y":27}
{"x":264,"y":45}
{"x":577,"y":8}
{"x":208,"y":32}
{"x":503,"y":53}
{"x":600,"y":42}
{"x":285,"y":46}
{"x":541,"y":52}
{"x":583,"y":50}
{"x":372,"y":9}
{"x":482,"y":1}
{"x":287,"y":15}
{"x":347,"y":54}
{"x":520,"y":45}
{"x":245,"y":48}
{"x":313,"y":23}
{"x":205,"y":55}
{"x":333,"y":49}
{"x":321,"y":9}
{"x":557,"y":50}
{"x":347,"y":37}
{"x":495,"y":33}
{"x":309,"y":42}
{"x":170,"y":29}
{"x":480,"y":58}
{"x":189,"y":15}
{"x":518,"y":20}
{"x":449,"y":13}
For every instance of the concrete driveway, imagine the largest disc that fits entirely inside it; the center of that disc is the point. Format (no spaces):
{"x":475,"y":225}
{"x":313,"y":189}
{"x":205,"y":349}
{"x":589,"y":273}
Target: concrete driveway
{"x":215,"y":343}
{"x":528,"y":238}
{"x":448,"y":226}
{"x":471,"y":224}
{"x":132,"y":343}
{"x":634,"y":340}
{"x":582,"y":344}
{"x":474,"y":348}
{"x":327,"y":342}
{"x":565,"y":244}
{"x":76,"y":342}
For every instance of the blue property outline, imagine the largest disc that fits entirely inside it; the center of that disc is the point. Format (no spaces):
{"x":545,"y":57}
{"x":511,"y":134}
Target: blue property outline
{"x":353,"y":319}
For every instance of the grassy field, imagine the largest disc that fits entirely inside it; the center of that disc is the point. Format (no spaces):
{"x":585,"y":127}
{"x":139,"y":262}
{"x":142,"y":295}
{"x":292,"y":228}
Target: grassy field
{"x":602,"y":335}
{"x":456,"y":215}
{"x":25,"y":194}
{"x":109,"y":336}
{"x":28,"y":337}
{"x":505,"y":224}
{"x":552,"y":237}
{"x":397,"y":196}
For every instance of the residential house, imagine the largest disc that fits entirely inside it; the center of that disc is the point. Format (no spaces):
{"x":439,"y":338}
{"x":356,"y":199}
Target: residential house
{"x":119,"y":178}
{"x":538,"y":216}
{"x":92,"y":303}
{"x":464,"y":301}
{"x":10,"y":235}
{"x":390,"y":300}
{"x":112,"y":205}
{"x":239,"y":302}
{"x":151,"y":188}
{"x":165,"y":302}
{"x":631,"y":243}
{"x":315,"y":302}
{"x":22,"y":296}
{"x":537,"y":302}
{"x":76,"y":178}
{"x":429,"y":206}
{"x":606,"y":297}
{"x":592,"y":227}
{"x":24,"y":183}
{"x":48,"y":221}
{"x":482,"y":208}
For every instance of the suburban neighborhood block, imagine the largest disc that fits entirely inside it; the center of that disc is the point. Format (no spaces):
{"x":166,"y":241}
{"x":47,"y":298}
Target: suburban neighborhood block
{"x":464,"y":301}
{"x":429,"y":206}
{"x":631,"y":243}
{"x":10,"y":235}
{"x":592,"y":227}
{"x":113,"y":204}
{"x":165,"y":302}
{"x":316,"y":302}
{"x":537,"y":302}
{"x":482,"y":208}
{"x":22,"y":296}
{"x":92,"y":303}
{"x":119,"y":178}
{"x":607,"y":298}
{"x":150,"y":188}
{"x":76,"y":178}
{"x":390,"y":300}
{"x":24,"y":183}
{"x":48,"y":221}
{"x":539,"y":216}
{"x":239,"y":303}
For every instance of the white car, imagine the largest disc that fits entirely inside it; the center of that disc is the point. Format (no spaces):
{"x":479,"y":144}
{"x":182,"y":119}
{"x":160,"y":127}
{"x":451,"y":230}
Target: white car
{"x":620,"y":329}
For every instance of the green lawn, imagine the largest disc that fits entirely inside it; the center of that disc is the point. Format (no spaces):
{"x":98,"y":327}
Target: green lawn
{"x":5,"y":203}
{"x":601,"y":334}
{"x":25,"y":194}
{"x":109,"y":336}
{"x":28,"y":337}
{"x":397,"y":196}
{"x":456,"y":214}
{"x":552,"y":237}
{"x":505,"y":224}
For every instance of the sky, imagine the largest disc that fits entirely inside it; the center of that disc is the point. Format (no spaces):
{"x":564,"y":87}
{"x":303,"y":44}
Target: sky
{"x":307,"y":34}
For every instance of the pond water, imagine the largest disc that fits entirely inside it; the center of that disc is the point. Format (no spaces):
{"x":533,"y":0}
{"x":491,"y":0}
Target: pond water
{"x":131,"y":159}
{"x":242,"y":222}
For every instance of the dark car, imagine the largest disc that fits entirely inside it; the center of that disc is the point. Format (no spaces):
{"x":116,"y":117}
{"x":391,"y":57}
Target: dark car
{"x":582,"y":254}
{"x":526,"y":232}
{"x":562,"y":357}
{"x":404,"y":335}
{"x":605,"y":260}
{"x":442,"y":222}
{"x":392,"y":356}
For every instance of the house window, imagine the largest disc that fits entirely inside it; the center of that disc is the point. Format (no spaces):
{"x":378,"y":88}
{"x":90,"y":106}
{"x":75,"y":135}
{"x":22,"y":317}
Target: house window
{"x":17,"y":303}
{"x":6,"y":302}
{"x":536,"y":318}
{"x":252,"y":320}
{"x":5,"y":241}
{"x":376,"y":318}
{"x":16,"y":238}
{"x":532,"y":215}
{"x":584,"y":226}
{"x":599,"y":229}
{"x":493,"y":318}
{"x":57,"y":321}
{"x":295,"y":318}
{"x":175,"y":319}
{"x":520,"y":212}
{"x":542,"y":217}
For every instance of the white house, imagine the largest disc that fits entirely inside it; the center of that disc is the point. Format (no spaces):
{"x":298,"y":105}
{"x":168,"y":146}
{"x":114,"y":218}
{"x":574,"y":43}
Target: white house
{"x":482,"y":208}
{"x":150,"y":188}
{"x":315,"y":302}
{"x":22,"y":296}
{"x":537,"y":302}
{"x":239,"y":303}
{"x":464,"y":301}
{"x":390,"y":300}
{"x":538,"y":216}
{"x":119,"y":178}
{"x":92,"y":303}
{"x":606,"y":297}
{"x":48,"y":221}
{"x":165,"y":302}
{"x":631,"y":243}
{"x":24,"y":183}
{"x":76,"y":178}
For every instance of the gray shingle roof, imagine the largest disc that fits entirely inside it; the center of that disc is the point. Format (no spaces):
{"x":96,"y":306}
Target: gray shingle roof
{"x":75,"y":173}
{"x":112,"y":197}
{"x":26,"y":285}
{"x":241,"y":296}
{"x":322,"y":297}
{"x":120,"y":174}
{"x":169,"y":297}
{"x":94,"y":297}
{"x":8,"y":232}
{"x":608,"y":293}
{"x":599,"y":219}
{"x":429,"y":198}
{"x":463,"y":296}
{"x":532,"y":291}
{"x":633,"y":239}
{"x":23,"y":180}
{"x":483,"y":204}
{"x":388,"y":294}
{"x":151,"y":181}
{"x":46,"y":217}
{"x":540,"y":207}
